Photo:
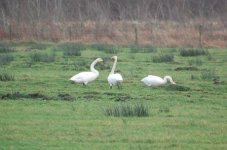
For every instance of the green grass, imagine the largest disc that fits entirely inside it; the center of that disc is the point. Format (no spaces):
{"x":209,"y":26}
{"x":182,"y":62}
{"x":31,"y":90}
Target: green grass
{"x":193,"y":52}
{"x":6,"y":59}
{"x":4,"y":76}
{"x":122,"y":110}
{"x":42,"y":109}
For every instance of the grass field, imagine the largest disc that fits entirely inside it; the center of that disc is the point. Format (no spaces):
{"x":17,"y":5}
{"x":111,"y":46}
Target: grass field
{"x":41,"y":109}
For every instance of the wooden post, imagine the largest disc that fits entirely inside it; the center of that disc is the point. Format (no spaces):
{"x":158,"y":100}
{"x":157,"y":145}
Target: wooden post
{"x":200,"y":35}
{"x":136,"y":34}
{"x":10,"y":32}
{"x":70,"y":33}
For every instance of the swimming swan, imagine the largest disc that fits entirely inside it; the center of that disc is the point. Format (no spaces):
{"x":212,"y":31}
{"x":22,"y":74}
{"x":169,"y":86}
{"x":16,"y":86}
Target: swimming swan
{"x":114,"y":78}
{"x":86,"y":77}
{"x":151,"y":80}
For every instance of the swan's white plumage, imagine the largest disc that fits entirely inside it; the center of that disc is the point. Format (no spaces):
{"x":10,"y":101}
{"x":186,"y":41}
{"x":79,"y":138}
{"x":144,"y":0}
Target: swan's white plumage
{"x":152,"y":80}
{"x":86,"y":77}
{"x":114,"y":78}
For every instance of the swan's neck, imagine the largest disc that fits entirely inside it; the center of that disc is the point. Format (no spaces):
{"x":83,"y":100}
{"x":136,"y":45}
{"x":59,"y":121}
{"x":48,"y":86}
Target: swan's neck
{"x":114,"y":66}
{"x":168,"y":78}
{"x":92,"y":67}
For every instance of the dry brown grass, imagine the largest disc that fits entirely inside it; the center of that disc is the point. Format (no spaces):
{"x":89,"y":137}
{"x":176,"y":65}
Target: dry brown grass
{"x":160,"y":34}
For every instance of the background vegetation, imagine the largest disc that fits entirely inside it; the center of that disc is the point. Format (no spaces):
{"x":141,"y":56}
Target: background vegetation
{"x":161,"y":23}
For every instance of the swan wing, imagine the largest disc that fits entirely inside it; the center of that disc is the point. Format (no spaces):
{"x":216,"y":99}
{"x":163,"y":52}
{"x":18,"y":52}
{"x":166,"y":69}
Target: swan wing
{"x":151,"y":80}
{"x":115,"y":78}
{"x":84,"y":77}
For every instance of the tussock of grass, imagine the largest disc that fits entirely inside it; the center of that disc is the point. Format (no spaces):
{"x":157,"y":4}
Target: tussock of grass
{"x":37,"y":46}
{"x":72,"y":49}
{"x":6,"y":59}
{"x":126,"y":110}
{"x":164,"y":110}
{"x":6,"y":77}
{"x":209,"y":74}
{"x":5,"y":48}
{"x":163,"y":58}
{"x":142,"y":49}
{"x":193,"y":52}
{"x":196,"y":62}
{"x":41,"y":57}
{"x":80,"y":65}
{"x":107,"y":48}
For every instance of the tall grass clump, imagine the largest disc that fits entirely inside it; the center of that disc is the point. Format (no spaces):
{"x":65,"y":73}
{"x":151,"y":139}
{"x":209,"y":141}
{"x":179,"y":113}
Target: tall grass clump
{"x":193,"y":52}
{"x":107,"y":48}
{"x":142,"y":49}
{"x":6,"y":59}
{"x":37,"y":46}
{"x":72,"y":49}
{"x":195,"y":62}
{"x":138,"y":110}
{"x":42,"y":57}
{"x":6,"y":77}
{"x":209,"y":74}
{"x":80,"y":65}
{"x":5,"y":48}
{"x":163,"y":58}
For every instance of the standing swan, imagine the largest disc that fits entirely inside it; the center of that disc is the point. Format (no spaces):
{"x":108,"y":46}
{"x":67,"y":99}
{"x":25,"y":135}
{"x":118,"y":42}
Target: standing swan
{"x":114,"y":78}
{"x":86,"y":77}
{"x":151,"y":80}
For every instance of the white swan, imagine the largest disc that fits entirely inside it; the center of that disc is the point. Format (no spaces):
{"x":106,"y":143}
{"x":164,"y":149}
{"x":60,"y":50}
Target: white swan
{"x":86,"y":77}
{"x":151,"y":80}
{"x":114,"y":78}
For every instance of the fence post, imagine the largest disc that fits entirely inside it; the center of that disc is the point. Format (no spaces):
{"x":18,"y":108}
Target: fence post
{"x":136,"y":33}
{"x":70,"y":33}
{"x":10,"y":32}
{"x":200,"y":35}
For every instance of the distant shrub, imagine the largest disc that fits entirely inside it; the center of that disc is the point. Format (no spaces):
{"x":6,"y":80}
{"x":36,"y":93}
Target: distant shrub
{"x":163,"y":58}
{"x":6,"y":77}
{"x":142,"y":49}
{"x":209,"y":75}
{"x":41,"y":57}
{"x":192,"y":52}
{"x":138,"y":110}
{"x":72,"y":49}
{"x":6,"y":59}
{"x":107,"y":48}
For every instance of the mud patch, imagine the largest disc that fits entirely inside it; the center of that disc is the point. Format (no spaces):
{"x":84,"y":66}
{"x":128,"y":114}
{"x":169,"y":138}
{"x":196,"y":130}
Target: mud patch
{"x":190,"y":68}
{"x":37,"y":96}
{"x":18,"y":95}
{"x":119,"y":97}
{"x":66,"y":96}
{"x":172,"y":87}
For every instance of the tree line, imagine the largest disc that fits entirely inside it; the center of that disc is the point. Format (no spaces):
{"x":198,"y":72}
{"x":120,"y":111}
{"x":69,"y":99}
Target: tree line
{"x":32,"y":11}
{"x":156,"y":22}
